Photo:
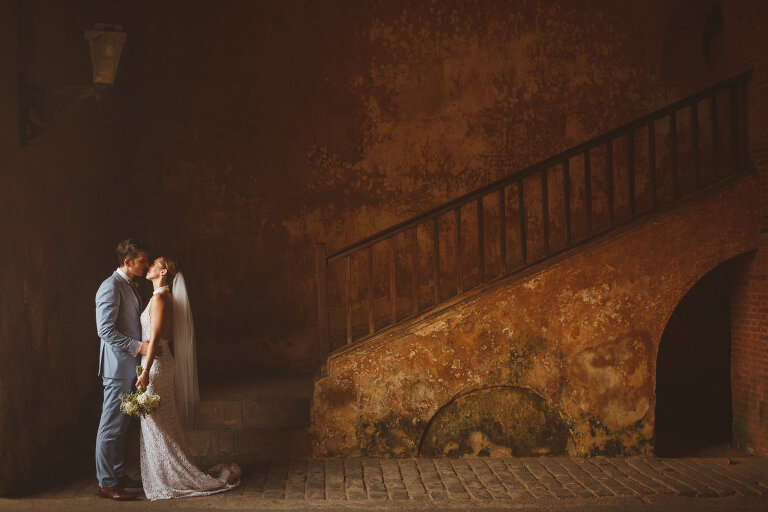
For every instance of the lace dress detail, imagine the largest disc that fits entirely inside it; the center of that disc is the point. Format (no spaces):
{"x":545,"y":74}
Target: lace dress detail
{"x":166,"y":469}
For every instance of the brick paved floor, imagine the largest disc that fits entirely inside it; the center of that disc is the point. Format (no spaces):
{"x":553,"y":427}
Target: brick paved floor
{"x":521,"y":479}
{"x":546,"y":483}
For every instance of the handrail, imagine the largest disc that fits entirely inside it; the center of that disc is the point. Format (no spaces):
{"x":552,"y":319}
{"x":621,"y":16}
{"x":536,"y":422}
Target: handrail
{"x":736,"y":146}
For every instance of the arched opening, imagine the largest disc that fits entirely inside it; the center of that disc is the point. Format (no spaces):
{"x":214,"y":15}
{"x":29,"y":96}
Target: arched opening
{"x":499,"y":421}
{"x":693,"y":370}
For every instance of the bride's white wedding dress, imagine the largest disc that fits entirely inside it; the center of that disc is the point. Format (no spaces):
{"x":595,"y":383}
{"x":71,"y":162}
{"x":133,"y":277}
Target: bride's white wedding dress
{"x":166,"y":469}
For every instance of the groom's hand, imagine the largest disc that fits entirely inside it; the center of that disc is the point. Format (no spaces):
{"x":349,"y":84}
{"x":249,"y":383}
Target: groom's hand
{"x":145,"y":349}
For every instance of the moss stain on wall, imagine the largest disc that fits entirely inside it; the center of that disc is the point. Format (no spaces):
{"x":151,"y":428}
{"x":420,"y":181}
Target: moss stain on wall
{"x":498,"y":422}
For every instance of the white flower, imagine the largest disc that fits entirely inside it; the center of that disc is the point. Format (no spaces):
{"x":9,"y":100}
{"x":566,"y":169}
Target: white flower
{"x":132,"y":409}
{"x":153,"y":402}
{"x":139,"y":403}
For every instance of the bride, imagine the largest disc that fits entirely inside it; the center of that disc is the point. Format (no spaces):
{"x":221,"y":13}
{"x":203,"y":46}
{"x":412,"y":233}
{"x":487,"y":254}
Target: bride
{"x":166,"y":468}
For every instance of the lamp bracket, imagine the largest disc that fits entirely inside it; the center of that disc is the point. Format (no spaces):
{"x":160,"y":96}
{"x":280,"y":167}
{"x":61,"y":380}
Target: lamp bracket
{"x":41,"y":108}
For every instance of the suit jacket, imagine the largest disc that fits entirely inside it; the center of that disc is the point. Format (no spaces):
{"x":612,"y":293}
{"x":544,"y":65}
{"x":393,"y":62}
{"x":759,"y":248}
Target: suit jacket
{"x":119,"y":327}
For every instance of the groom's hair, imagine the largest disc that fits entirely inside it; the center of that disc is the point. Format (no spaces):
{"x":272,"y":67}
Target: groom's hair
{"x":130,"y":248}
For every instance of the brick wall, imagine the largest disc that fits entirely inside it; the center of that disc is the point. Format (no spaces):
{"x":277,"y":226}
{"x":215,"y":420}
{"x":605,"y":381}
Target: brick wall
{"x":745,"y":29}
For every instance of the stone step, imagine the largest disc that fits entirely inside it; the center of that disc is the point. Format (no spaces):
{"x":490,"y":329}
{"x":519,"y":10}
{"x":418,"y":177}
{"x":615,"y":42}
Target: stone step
{"x":248,"y":443}
{"x":246,"y":420}
{"x":264,"y":404}
{"x":264,"y":413}
{"x":248,"y":387}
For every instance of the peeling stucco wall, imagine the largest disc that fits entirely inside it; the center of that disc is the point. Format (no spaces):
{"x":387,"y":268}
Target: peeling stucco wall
{"x":582,"y":336}
{"x":501,"y":421}
{"x":264,"y":127}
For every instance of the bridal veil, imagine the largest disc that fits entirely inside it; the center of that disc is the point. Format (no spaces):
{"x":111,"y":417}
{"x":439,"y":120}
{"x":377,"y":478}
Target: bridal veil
{"x":187,"y":391}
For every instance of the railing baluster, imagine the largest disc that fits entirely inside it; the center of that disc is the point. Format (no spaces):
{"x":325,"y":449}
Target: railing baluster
{"x":673,"y":136}
{"x":480,"y":241}
{"x":503,"y":230}
{"x":370,"y":290}
{"x":545,"y":209}
{"x":436,"y":244}
{"x":734,"y":130}
{"x":393,"y":279}
{"x":349,"y":298}
{"x":631,"y":172}
{"x":415,"y":273}
{"x":695,"y":143}
{"x":652,"y":161}
{"x":324,"y":335}
{"x":567,"y":200}
{"x":521,"y":205}
{"x":588,"y":191}
{"x":609,"y":165}
{"x":715,"y":137}
{"x":457,"y":215}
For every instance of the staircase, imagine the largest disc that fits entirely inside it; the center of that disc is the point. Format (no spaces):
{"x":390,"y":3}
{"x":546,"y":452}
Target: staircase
{"x":592,"y":191}
{"x":531,"y":310}
{"x":246,"y":421}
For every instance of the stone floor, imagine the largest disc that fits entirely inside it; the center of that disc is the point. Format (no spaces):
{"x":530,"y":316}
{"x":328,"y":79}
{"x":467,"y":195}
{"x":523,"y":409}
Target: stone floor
{"x":546,"y":483}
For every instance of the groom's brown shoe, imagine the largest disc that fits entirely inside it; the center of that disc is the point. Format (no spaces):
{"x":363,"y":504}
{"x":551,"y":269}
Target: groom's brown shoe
{"x":116,"y":493}
{"x":127,"y":482}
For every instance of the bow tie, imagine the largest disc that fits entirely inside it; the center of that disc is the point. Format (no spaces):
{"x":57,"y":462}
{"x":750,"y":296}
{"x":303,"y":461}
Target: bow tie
{"x":133,"y":284}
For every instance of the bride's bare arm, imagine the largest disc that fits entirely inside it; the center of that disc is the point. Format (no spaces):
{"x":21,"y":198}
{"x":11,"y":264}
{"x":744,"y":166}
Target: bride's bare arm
{"x":160,"y":311}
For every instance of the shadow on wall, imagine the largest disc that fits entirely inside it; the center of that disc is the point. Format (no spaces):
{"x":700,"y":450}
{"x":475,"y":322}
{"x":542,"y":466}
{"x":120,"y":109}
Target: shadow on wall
{"x":500,"y":421}
{"x":693,"y":370}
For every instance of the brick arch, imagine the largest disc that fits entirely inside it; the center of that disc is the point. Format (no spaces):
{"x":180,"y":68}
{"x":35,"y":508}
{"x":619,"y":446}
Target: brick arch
{"x":692,"y":378}
{"x":734,"y":261}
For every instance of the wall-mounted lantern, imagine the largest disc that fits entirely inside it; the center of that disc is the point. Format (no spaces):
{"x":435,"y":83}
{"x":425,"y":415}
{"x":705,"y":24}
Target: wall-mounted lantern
{"x":41,"y":108}
{"x":106,"y":47}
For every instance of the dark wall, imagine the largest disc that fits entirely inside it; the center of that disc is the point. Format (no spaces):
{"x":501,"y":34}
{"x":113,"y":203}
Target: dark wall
{"x":65,"y":200}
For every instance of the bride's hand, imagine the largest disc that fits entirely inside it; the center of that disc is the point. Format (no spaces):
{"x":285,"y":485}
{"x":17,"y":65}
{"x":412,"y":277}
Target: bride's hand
{"x":143,"y":381}
{"x":144,"y":350}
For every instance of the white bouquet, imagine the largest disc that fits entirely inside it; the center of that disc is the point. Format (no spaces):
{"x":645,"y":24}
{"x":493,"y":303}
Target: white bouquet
{"x":139,"y":403}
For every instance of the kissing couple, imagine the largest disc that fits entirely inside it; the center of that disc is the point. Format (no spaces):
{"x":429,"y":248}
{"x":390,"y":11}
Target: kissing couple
{"x":162,"y":340}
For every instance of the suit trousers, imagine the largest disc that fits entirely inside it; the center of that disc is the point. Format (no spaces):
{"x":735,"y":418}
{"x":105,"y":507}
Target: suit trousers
{"x":110,"y":438}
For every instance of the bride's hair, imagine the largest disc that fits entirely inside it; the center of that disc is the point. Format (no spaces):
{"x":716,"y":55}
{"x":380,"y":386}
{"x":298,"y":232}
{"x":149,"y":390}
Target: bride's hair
{"x":172,"y":266}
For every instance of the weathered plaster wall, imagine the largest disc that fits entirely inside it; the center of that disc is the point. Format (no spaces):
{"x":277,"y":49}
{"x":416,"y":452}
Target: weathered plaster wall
{"x":64,"y":203}
{"x":579,"y":338}
{"x":269,"y":126}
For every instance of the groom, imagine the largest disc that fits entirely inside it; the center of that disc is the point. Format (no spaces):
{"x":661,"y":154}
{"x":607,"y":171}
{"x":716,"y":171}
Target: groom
{"x":118,"y":307}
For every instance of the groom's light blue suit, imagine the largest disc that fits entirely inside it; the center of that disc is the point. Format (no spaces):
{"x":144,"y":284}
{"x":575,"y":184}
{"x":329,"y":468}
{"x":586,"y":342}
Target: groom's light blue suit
{"x":118,"y":325}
